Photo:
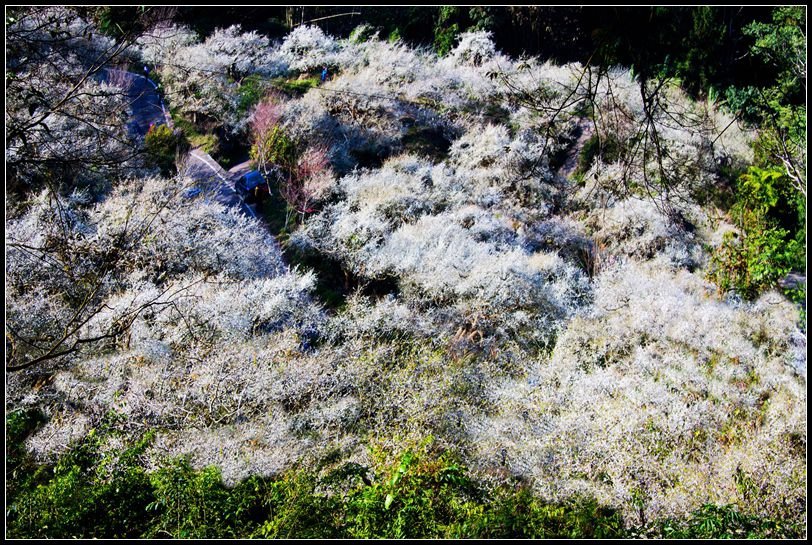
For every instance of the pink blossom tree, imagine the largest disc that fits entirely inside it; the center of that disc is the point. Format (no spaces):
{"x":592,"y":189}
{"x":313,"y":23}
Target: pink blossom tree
{"x":302,"y":177}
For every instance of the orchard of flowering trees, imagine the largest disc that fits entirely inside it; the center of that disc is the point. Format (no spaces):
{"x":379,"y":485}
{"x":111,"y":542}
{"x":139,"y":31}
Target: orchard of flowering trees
{"x":522,"y":263}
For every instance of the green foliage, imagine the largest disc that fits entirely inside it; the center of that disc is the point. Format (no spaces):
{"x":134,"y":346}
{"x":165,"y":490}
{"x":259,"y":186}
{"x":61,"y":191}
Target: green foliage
{"x":768,"y":193}
{"x":362,"y":33}
{"x":482,"y":17}
{"x":118,"y":21}
{"x":702,"y":44}
{"x":394,"y":36}
{"x":445,"y":38}
{"x":779,"y":108}
{"x":770,"y":207}
{"x":96,"y":490}
{"x":162,"y":145}
{"x":519,"y":514}
{"x":723,"y":522}
{"x":276,"y":148}
{"x":196,"y":504}
{"x":453,"y":20}
{"x":90,"y":492}
{"x":295,"y":510}
{"x":250,"y":92}
{"x":765,"y":251}
{"x":295,"y":87}
{"x":209,"y":143}
{"x":20,"y":424}
{"x":417,"y":498}
{"x":782,"y":44}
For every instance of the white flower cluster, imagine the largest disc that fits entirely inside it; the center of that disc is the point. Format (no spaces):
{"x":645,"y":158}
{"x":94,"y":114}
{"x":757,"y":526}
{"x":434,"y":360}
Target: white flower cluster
{"x":203,"y":78}
{"x":662,"y":393}
{"x":443,"y":232}
{"x":636,"y":228}
{"x":60,"y":117}
{"x":307,"y":48}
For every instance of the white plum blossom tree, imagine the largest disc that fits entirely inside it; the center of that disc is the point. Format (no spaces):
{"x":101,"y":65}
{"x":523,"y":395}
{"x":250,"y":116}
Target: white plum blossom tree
{"x":63,"y":123}
{"x":202,"y":79}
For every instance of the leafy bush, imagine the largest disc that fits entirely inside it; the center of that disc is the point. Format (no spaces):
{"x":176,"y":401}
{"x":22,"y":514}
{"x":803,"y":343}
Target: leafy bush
{"x":444,"y":38}
{"x":754,"y":261}
{"x":277,"y":148}
{"x":764,"y":251}
{"x":92,"y":491}
{"x":194,"y":504}
{"x":722,"y":522}
{"x":362,"y":33}
{"x":163,"y":146}
{"x":250,"y":92}
{"x":296,"y":86}
{"x":99,"y":491}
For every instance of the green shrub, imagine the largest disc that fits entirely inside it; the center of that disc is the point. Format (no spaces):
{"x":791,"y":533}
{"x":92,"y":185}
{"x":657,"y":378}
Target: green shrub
{"x":250,"y":92}
{"x":98,"y":491}
{"x":394,"y":36}
{"x":162,"y":145}
{"x":88,"y":493}
{"x":295,"y":510}
{"x":723,"y":522}
{"x":195,"y":504}
{"x":753,"y":262}
{"x":764,"y":251}
{"x":208,"y":143}
{"x":20,"y":424}
{"x":362,"y":33}
{"x":275,"y":148}
{"x":446,"y":38}
{"x":447,"y":28}
{"x":295,"y":87}
{"x":19,"y":467}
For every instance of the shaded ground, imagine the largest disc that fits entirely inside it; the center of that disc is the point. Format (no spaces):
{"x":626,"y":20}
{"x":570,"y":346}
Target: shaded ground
{"x":585,"y":131}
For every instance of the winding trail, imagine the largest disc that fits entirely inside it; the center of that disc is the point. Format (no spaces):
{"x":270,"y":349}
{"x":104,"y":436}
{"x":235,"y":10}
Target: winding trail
{"x":586,"y":130}
{"x":212,"y":180}
{"x":145,"y":103}
{"x":211,"y":177}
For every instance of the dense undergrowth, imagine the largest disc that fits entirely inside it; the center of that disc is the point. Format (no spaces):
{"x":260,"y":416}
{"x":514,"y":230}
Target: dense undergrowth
{"x":100,"y":489}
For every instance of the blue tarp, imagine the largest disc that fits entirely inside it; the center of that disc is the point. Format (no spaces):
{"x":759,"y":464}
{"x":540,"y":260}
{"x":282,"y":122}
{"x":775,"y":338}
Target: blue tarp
{"x":253,"y":179}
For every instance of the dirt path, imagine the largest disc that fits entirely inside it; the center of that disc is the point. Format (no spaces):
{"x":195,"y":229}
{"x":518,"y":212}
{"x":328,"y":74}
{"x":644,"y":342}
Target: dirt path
{"x":571,"y":162}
